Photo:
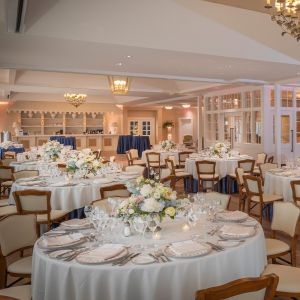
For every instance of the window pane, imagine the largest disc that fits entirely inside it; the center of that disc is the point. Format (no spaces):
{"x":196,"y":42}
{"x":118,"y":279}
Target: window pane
{"x":285,"y":129}
{"x":257,"y":118}
{"x":248,"y":127}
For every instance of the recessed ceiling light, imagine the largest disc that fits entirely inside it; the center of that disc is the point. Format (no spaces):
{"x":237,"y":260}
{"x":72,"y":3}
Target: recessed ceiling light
{"x":186,"y":105}
{"x":118,"y":64}
{"x":168,"y":107}
{"x":298,"y":73}
{"x":127,"y":56}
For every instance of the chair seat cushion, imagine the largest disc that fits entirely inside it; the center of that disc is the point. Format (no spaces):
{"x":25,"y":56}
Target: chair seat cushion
{"x":156,"y":165}
{"x":274,"y":246}
{"x":22,"y":266}
{"x":267,"y":198}
{"x":8,"y":210}
{"x":54,"y":215}
{"x":182,"y":174}
{"x":256,"y":171}
{"x":138,"y":162}
{"x":19,"y":292}
{"x":209,"y":176}
{"x":7,"y":183}
{"x":179,"y":170}
{"x":289,"y":277}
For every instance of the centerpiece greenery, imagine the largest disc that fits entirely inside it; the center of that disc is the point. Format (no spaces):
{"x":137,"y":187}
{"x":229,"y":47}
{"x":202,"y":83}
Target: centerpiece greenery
{"x":168,"y":124}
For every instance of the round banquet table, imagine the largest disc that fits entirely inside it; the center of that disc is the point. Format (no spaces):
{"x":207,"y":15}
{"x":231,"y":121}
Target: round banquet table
{"x":68,"y":197}
{"x":11,"y":148}
{"x":29,"y":165}
{"x":165,"y":154}
{"x":67,"y":141}
{"x":176,"y":280}
{"x":124,"y":143}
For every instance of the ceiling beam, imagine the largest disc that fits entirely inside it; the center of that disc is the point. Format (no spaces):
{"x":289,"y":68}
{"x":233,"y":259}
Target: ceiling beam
{"x":166,"y":100}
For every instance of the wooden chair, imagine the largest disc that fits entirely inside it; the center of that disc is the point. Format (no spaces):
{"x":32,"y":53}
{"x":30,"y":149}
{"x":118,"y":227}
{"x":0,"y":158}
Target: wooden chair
{"x":264,"y":168}
{"x":176,"y":165}
{"x":38,"y":203}
{"x":165,"y":173}
{"x":182,"y":156}
{"x":153,"y":161}
{"x":17,"y":233}
{"x":206,"y":171}
{"x":5,"y":179}
{"x":242,"y":287}
{"x":247,"y":165}
{"x":256,"y":196}
{"x":7,"y":161}
{"x":97,"y":153}
{"x":242,"y":190}
{"x":9,"y":154}
{"x":133,"y":159}
{"x":169,"y":181}
{"x":286,"y":219}
{"x":261,"y":159}
{"x":270,"y":159}
{"x":180,"y":174}
{"x":23,"y":174}
{"x":16,"y":293}
{"x":140,"y":169}
{"x":225,"y":199}
{"x":117,"y":190}
{"x":295,"y":185}
{"x":62,"y":167}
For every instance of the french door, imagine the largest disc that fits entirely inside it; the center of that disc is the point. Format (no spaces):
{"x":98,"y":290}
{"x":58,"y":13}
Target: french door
{"x":142,"y":126}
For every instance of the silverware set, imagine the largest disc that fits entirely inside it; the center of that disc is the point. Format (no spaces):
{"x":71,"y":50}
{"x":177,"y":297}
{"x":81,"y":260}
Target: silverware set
{"x":124,"y":260}
{"x":159,"y":254}
{"x":216,"y":247}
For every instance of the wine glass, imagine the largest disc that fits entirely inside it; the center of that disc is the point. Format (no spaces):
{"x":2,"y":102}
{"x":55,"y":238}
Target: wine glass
{"x":153,"y":220}
{"x":139,"y":223}
{"x":192,"y":220}
{"x":202,"y":214}
{"x":111,"y":203}
{"x":88,"y":211}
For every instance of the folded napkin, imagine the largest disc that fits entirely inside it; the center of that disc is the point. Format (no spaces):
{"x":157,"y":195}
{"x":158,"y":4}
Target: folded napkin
{"x":234,"y":215}
{"x":186,"y":249}
{"x":28,"y":178}
{"x":30,"y":163}
{"x":60,"y":184}
{"x":287,"y":173}
{"x":194,"y":155}
{"x":55,"y":232}
{"x":102,"y":180}
{"x":130,"y":173}
{"x":62,"y":240}
{"x":75,"y":223}
{"x":124,"y":177}
{"x":236,"y":230}
{"x":276,"y":170}
{"x":102,"y":253}
{"x":31,"y":183}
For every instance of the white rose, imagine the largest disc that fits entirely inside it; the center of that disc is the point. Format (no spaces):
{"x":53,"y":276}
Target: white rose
{"x":95,"y":163}
{"x":151,"y":205}
{"x":146,"y":190}
{"x":131,"y":211}
{"x":173,"y":196}
{"x":79,"y":163}
{"x":86,"y":151}
{"x":156,"y":195}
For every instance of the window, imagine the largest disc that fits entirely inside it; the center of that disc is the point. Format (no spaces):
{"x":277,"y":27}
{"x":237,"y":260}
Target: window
{"x":146,"y":127}
{"x":298,"y":99}
{"x":298,"y":126}
{"x":257,"y":118}
{"x":215,"y":103}
{"x":286,"y":99}
{"x":248,"y":127}
{"x":285,"y":129}
{"x":216,"y":125}
{"x":273,"y":129}
{"x":231,"y":101}
{"x":237,"y":100}
{"x":272,"y":98}
{"x":248,"y":98}
{"x":208,"y":103}
{"x":134,"y":127}
{"x":208,"y":128}
{"x":238,"y":129}
{"x":257,"y":99}
{"x":227,"y":129}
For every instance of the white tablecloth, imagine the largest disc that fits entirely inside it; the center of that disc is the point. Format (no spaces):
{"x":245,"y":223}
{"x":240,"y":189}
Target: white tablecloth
{"x":67,"y":197}
{"x":165,"y":154}
{"x":280,"y":185}
{"x":54,"y":279}
{"x":29,"y":165}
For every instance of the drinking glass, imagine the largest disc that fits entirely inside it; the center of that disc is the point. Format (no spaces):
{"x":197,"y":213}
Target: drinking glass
{"x":111,"y":203}
{"x":88,"y":212}
{"x":153,"y":220}
{"x":139,"y":223}
{"x":192,"y":220}
{"x":202,"y":217}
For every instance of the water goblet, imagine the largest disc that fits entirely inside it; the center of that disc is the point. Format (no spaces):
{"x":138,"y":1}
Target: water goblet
{"x":88,"y":212}
{"x":111,"y":203}
{"x":202,"y":214}
{"x":139,"y":223}
{"x":192,"y":220}
{"x":153,"y":220}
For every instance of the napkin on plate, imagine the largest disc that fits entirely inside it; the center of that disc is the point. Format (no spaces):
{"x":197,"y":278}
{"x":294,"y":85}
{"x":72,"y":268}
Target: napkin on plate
{"x":232,"y":215}
{"x":55,"y":232}
{"x":75,"y":223}
{"x":102,"y":181}
{"x":236,"y":230}
{"x":60,"y":184}
{"x":124,"y":177}
{"x":275,"y":170}
{"x":186,"y":249}
{"x":130,"y":173}
{"x":102,"y":253}
{"x":28,"y":179}
{"x":286,"y":173}
{"x":31,"y":183}
{"x":62,"y":240}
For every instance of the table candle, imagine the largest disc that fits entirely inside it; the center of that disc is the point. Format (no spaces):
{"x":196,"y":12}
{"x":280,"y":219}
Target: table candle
{"x":157,"y":236}
{"x":186,"y":227}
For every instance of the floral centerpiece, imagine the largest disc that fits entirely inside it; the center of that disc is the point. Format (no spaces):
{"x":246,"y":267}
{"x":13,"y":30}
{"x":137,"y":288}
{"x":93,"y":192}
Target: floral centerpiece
{"x":150,"y":196}
{"x":167,"y":144}
{"x":168,"y":124}
{"x":84,"y":160}
{"x":219,"y":148}
{"x":52,"y":149}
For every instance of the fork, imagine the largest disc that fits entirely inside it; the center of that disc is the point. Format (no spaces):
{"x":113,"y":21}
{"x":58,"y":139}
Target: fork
{"x":163,"y":257}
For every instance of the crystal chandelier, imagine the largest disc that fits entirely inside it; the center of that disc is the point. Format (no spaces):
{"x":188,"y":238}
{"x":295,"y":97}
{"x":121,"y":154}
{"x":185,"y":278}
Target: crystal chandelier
{"x":75,"y":99}
{"x":119,"y":85}
{"x":287,"y":16}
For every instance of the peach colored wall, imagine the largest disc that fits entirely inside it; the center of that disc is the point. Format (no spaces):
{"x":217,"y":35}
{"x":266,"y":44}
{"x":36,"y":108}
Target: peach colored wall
{"x":7,"y":120}
{"x":109,"y":118}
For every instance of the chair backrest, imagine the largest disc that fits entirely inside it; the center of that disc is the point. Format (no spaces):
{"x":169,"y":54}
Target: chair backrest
{"x":225,"y":199}
{"x":6,"y":173}
{"x":169,"y":181}
{"x":129,"y":158}
{"x":112,"y":159}
{"x":7,"y":161}
{"x":270,"y":159}
{"x":96,"y":153}
{"x":253,"y":185}
{"x":117,"y":190}
{"x":134,"y":153}
{"x":239,"y":173}
{"x":17,"y":232}
{"x":153,"y":159}
{"x":140,"y":169}
{"x":295,"y":185}
{"x":172,"y":158}
{"x":9,"y":154}
{"x":24,"y":173}
{"x":241,"y":287}
{"x":182,"y":158}
{"x":247,"y":165}
{"x":170,"y":165}
{"x":263,"y":168}
{"x":187,"y":138}
{"x":62,"y":167}
{"x":261,"y":158}
{"x":205,"y":167}
{"x":165,"y":172}
{"x":286,"y":217}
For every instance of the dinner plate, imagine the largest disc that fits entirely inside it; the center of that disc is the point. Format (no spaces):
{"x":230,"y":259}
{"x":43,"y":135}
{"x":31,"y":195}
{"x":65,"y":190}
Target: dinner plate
{"x":236,"y":237}
{"x":228,"y":244}
{"x":87,"y":226}
{"x":42,"y":246}
{"x":232,"y":220}
{"x":143,"y":260}
{"x":249,"y":222}
{"x":93,"y":261}
{"x":66,"y":252}
{"x":169,"y":252}
{"x":59,"y":184}
{"x":130,"y":173}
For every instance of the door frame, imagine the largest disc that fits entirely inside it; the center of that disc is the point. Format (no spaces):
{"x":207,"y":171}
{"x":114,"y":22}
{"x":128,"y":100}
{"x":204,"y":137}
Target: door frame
{"x":180,"y":135}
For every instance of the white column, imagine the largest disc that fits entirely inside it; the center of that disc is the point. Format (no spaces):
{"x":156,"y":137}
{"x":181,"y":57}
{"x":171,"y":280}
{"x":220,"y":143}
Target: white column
{"x":277,"y":91}
{"x":199,"y":124}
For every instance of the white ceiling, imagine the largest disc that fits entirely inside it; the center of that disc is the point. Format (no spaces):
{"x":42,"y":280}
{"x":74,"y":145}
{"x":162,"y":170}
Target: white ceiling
{"x":179,"y":49}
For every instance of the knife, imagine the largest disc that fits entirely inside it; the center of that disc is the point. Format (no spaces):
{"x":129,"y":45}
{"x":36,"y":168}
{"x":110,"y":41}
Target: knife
{"x":151,"y":255}
{"x":128,"y":259}
{"x":122,"y":259}
{"x":213,"y":245}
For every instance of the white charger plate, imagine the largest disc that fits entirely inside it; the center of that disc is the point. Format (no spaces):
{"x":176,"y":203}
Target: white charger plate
{"x":93,"y":261}
{"x":232,"y":220}
{"x":169,"y":252}
{"x":41,"y":245}
{"x":54,"y":254}
{"x":143,"y":260}
{"x":236,"y":237}
{"x":228,"y":244}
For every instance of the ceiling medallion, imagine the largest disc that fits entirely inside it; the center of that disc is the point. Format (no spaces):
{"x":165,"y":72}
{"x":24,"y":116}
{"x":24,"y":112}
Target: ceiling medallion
{"x":119,"y":85}
{"x":75,"y":99}
{"x":287,"y":16}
